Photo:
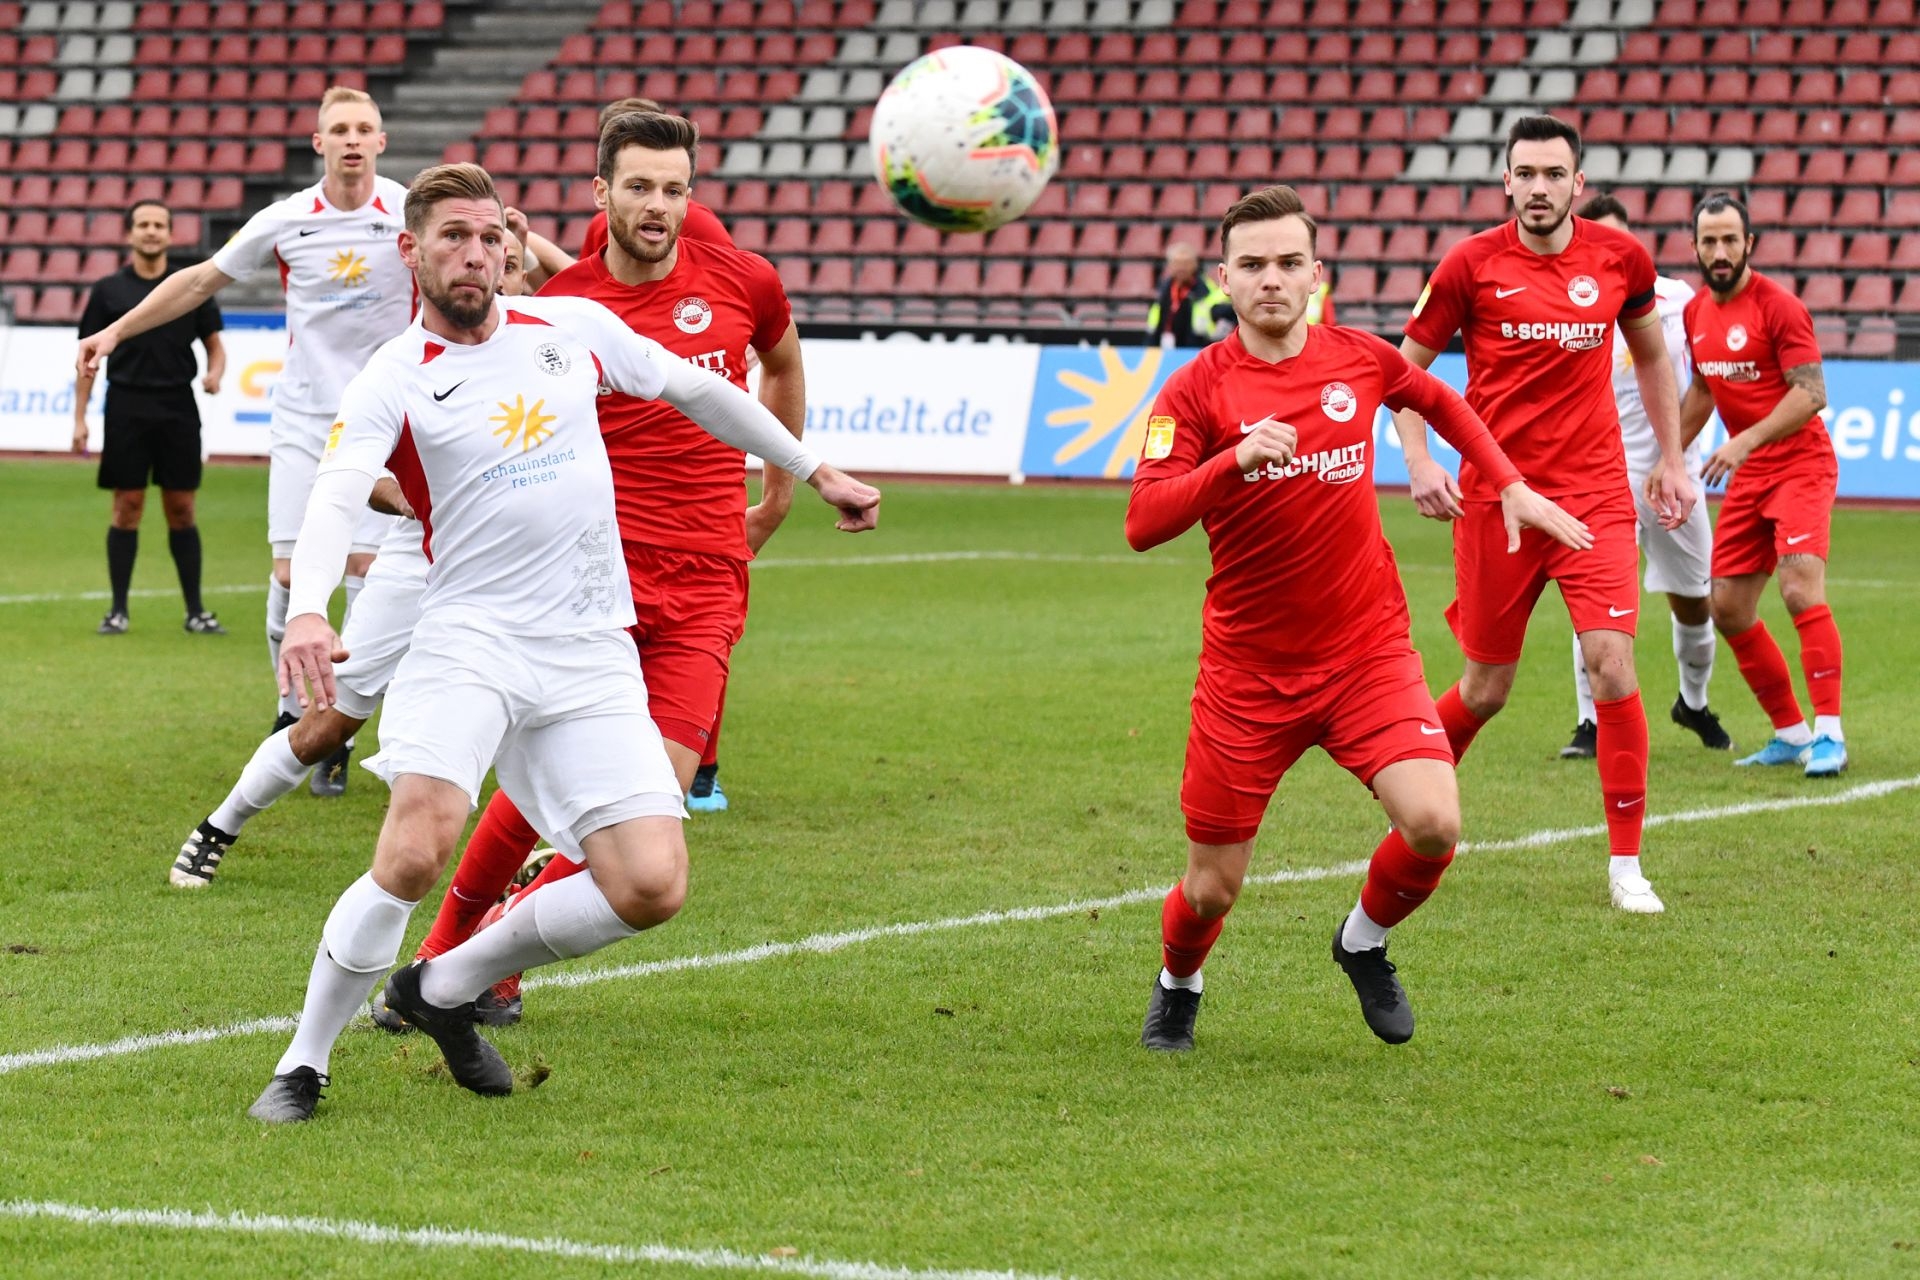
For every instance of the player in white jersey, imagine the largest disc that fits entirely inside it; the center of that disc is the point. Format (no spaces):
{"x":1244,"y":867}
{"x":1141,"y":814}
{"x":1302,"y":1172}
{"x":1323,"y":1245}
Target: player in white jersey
{"x":485,"y":409}
{"x":1677,"y":560}
{"x":376,"y":634}
{"x":335,"y":248}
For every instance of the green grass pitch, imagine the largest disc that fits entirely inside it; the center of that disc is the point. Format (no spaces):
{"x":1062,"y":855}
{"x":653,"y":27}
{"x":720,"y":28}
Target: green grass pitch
{"x":1724,"y":1091}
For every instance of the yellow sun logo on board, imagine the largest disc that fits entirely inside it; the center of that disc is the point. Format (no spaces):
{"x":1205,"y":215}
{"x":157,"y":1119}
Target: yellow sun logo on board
{"x":517,"y":419}
{"x":347,"y":267}
{"x":1113,"y":411}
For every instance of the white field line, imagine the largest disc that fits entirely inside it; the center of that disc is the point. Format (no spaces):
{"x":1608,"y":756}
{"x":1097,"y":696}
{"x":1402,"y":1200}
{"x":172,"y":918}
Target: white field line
{"x":827,"y":943}
{"x":144,"y":593}
{"x":858,"y":562}
{"x":268,"y":1224}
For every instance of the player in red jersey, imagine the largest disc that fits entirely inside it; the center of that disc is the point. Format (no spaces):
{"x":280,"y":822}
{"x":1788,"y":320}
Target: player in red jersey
{"x":685,"y":524}
{"x":1755,"y":359}
{"x":1264,"y":439}
{"x":549,"y":260}
{"x":1535,"y":300}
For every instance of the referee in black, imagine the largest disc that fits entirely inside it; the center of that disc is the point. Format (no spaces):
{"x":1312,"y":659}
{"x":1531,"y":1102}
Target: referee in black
{"x":152,"y":421}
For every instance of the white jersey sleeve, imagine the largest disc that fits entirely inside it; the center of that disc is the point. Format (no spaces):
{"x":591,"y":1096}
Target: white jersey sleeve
{"x":254,"y":247}
{"x":368,"y":426}
{"x":639,"y":366}
{"x":1636,"y":430}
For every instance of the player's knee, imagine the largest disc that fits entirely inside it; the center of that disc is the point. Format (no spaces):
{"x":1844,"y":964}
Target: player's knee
{"x":648,"y":894}
{"x":283,"y":572}
{"x":1431,"y":830}
{"x":1211,"y":894}
{"x":1485,"y":700}
{"x":1800,"y":595}
{"x":1730,"y":617}
{"x":318,"y":734}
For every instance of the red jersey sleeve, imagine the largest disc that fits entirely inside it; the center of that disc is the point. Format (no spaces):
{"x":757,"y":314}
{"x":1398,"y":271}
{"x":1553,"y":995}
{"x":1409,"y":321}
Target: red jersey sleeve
{"x":704,"y":224}
{"x":595,"y":241}
{"x":1405,"y":385}
{"x":1790,"y":326}
{"x":1175,"y":483}
{"x":1442,"y":308}
{"x":1641,"y":276}
{"x":772,"y":312}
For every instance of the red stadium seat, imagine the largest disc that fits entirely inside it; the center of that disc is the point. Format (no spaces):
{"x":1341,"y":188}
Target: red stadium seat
{"x":1868,"y":251}
{"x":1858,"y":209}
{"x":1820,"y":249}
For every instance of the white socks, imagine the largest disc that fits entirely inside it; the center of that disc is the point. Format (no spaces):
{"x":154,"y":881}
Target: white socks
{"x":277,"y":597}
{"x":1693,"y":649}
{"x":273,"y":771}
{"x":360,"y":942}
{"x":1828,"y":727}
{"x":1796,"y":735}
{"x":1361,"y":933}
{"x":352,"y":585}
{"x":559,"y":921}
{"x":1582,"y":690}
{"x":1624,"y":868}
{"x":1192,"y":982}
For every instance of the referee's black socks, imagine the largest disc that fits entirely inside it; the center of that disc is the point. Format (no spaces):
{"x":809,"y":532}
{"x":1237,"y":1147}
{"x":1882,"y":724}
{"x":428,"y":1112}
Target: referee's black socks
{"x":185,"y":545}
{"x":122,"y":546}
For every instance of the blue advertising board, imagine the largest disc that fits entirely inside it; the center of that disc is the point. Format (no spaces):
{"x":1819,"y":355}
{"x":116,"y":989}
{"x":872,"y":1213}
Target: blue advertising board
{"x":1091,"y":404}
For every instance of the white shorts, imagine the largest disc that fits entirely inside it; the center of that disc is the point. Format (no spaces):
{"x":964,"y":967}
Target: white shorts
{"x":1678,"y":561}
{"x":379,"y":629}
{"x":563,"y":721}
{"x":293,"y":457}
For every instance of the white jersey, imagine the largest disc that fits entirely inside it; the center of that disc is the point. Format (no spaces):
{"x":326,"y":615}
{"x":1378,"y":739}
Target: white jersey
{"x":347,"y":290}
{"x":1636,"y":432}
{"x":497,"y":447}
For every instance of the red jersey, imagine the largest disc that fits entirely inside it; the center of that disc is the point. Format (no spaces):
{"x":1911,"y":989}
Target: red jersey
{"x":674,"y":485}
{"x":1538,"y":330}
{"x":1742,"y":349}
{"x":1303,"y":577}
{"x":702,"y":224}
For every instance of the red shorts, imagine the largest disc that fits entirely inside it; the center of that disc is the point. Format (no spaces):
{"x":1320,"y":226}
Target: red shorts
{"x":1773,"y":516}
{"x":692,"y":610}
{"x":1250,"y":726}
{"x":1495,"y":592}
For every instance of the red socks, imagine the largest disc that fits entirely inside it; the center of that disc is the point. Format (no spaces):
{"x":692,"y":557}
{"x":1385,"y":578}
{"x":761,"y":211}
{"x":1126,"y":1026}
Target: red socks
{"x":1764,"y":668}
{"x":1185,"y":938}
{"x":500,"y":843}
{"x":1621,"y":747}
{"x":1399,"y":880}
{"x":1461,"y":724}
{"x":558,"y":867}
{"x":1819,"y":659}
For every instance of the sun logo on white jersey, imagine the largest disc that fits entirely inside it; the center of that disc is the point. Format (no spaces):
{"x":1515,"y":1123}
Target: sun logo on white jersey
{"x":517,"y":419}
{"x":347,"y":267}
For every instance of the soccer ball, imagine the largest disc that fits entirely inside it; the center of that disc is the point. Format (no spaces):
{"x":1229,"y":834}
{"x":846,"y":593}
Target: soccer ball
{"x":964,"y":139}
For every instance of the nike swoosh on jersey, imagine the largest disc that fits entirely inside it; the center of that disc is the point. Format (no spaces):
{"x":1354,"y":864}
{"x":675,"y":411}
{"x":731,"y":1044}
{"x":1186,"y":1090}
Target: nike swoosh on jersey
{"x":1248,"y":428}
{"x":1617,"y":613}
{"x":1431,"y":732}
{"x":1508,"y":293}
{"x":442,"y":395}
{"x":309,"y":231}
{"x":1796,"y":541}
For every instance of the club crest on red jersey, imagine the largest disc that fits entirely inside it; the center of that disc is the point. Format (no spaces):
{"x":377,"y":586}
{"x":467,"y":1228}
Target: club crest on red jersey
{"x":1338,"y":402}
{"x":1583,"y":291}
{"x":1737,"y":337}
{"x":692,"y":315}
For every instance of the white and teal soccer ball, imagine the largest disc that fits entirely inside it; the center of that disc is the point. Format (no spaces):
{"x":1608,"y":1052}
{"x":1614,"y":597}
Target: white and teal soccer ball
{"x":964,"y":139}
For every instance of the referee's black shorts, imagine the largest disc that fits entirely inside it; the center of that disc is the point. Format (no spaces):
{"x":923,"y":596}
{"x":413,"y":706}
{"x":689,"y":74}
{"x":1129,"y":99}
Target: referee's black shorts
{"x":152,"y":435}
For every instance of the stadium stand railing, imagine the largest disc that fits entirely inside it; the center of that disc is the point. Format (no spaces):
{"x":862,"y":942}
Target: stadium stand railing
{"x":1389,"y":115}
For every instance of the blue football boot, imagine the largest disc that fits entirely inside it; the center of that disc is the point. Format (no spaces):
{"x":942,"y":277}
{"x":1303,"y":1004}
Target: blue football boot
{"x":1826,"y":758}
{"x":1777,"y":751}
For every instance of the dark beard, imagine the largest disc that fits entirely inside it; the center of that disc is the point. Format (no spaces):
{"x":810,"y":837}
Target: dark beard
{"x":461,"y":313}
{"x":637,"y":251}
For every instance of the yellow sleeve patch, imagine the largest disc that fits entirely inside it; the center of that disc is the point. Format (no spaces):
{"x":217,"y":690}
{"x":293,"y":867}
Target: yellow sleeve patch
{"x":1425,"y":293}
{"x":1159,"y":437}
{"x":333,"y":440}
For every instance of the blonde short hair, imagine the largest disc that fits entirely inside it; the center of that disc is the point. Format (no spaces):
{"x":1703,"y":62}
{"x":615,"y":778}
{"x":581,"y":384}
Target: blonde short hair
{"x":446,"y":182}
{"x":339,"y":93}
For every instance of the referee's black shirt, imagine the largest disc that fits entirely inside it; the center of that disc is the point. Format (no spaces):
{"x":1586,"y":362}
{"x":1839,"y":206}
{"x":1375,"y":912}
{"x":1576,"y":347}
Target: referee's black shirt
{"x":160,"y":358}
